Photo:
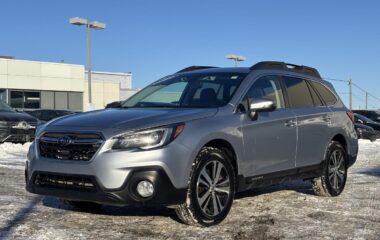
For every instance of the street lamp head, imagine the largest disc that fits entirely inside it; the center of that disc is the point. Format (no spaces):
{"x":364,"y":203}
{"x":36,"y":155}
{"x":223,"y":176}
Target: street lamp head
{"x":78,"y":21}
{"x":231,"y":56}
{"x":97,"y":25}
{"x":240,"y":58}
{"x":235,"y":57}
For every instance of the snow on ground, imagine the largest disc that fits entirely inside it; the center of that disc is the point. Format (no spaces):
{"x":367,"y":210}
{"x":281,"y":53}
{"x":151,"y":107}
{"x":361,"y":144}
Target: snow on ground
{"x":284,"y":211}
{"x":13,"y":155}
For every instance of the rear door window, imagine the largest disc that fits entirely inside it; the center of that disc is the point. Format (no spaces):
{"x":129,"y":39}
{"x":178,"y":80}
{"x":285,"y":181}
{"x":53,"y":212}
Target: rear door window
{"x":298,"y":92}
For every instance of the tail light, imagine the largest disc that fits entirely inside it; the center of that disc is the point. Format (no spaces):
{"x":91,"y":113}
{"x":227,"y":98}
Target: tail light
{"x":350,"y":115}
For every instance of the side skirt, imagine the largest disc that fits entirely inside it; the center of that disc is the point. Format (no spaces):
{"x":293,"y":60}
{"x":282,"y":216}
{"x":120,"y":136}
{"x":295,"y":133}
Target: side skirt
{"x":304,"y":173}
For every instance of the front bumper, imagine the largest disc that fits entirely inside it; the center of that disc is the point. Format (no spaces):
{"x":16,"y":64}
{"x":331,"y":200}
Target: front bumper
{"x":164,"y":191}
{"x":115,"y":175}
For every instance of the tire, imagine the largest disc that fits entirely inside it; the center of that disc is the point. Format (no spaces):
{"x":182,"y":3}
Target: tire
{"x":83,"y":206}
{"x":206,"y":190}
{"x":334,"y":175}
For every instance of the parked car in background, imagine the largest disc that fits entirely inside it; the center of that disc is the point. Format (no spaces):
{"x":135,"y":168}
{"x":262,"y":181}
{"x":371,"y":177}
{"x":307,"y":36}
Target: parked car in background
{"x":366,"y":121}
{"x":16,"y":127}
{"x":374,"y":115}
{"x":366,"y":132}
{"x":46,"y":115}
{"x":197,"y":137}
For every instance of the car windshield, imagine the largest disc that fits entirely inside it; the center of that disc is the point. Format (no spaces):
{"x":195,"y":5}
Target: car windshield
{"x":190,"y":90}
{"x":4,"y":107}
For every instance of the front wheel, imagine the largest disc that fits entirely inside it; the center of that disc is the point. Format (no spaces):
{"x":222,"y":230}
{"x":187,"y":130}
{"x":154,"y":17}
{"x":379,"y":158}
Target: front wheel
{"x":211,"y":189}
{"x":334,"y":176}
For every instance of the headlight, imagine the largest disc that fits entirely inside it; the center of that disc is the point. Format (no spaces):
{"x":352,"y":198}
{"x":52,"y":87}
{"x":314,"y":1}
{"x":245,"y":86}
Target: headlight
{"x":147,"y":139}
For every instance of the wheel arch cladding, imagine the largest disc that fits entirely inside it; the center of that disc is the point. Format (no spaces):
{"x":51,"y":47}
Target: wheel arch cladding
{"x":228,"y":149}
{"x":341,"y":139}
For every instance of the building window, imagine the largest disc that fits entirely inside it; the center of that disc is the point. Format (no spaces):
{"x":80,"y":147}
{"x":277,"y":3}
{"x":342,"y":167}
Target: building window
{"x":75,"y":101}
{"x":24,"y":99}
{"x":47,"y":99}
{"x":61,"y":101}
{"x":16,"y":99}
{"x":32,"y":100}
{"x":3,"y":95}
{"x":43,"y":99}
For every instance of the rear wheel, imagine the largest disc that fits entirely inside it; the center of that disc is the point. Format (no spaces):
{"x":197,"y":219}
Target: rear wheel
{"x":211,"y":189}
{"x":333,"y":179}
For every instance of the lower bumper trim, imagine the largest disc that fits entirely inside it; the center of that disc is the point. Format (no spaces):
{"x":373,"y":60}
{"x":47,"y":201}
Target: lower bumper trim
{"x":165,"y":193}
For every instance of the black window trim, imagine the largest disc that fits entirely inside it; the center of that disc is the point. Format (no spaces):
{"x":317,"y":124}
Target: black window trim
{"x":284,"y":90}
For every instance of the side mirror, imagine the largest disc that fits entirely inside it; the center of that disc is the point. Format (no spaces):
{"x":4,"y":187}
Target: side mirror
{"x":260,"y":105}
{"x":116,"y":104}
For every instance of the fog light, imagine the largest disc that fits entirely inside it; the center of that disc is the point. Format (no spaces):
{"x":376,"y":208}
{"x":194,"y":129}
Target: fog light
{"x":145,"y":189}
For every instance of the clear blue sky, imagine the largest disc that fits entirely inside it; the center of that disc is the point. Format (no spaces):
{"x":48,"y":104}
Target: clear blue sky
{"x":156,"y":38}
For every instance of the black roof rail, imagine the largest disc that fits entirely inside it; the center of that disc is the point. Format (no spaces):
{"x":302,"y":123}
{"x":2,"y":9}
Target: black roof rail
{"x":286,"y":67}
{"x":192,"y":68}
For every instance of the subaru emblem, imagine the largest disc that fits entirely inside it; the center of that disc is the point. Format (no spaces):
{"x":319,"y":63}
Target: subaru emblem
{"x":65,"y":141}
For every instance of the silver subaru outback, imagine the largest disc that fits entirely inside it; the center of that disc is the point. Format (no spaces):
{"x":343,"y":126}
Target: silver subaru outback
{"x":195,"y":138}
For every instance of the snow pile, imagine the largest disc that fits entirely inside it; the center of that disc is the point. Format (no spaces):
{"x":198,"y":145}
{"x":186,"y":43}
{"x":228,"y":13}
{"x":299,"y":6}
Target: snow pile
{"x":368,"y":151}
{"x":13,"y":155}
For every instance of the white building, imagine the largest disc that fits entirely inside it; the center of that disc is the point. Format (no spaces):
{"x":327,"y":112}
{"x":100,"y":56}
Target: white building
{"x":109,"y":87}
{"x":45,"y":85}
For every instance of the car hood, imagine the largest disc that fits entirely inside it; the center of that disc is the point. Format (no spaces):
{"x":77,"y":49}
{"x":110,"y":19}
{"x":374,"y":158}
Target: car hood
{"x":117,"y":119}
{"x":16,"y":117}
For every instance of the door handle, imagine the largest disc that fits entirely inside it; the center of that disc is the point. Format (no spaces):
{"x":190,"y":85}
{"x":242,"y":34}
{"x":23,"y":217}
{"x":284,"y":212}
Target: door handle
{"x":291,"y":123}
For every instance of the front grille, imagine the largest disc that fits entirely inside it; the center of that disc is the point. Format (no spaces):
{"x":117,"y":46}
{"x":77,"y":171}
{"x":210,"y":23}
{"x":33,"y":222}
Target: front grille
{"x":14,"y":123}
{"x":65,"y":182}
{"x":67,"y":146}
{"x":19,"y":138}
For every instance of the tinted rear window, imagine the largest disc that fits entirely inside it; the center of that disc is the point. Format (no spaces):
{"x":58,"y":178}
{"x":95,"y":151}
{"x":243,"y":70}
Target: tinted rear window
{"x":298,"y":92}
{"x":326,"y":94}
{"x":317,"y":100}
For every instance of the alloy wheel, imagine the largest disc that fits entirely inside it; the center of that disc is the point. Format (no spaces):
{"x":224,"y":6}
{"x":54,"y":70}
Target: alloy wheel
{"x":337,"y":169}
{"x":213,"y":188}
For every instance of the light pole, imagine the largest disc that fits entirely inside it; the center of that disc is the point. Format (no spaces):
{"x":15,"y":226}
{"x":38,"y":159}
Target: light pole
{"x":236,"y":58}
{"x":97,"y":26}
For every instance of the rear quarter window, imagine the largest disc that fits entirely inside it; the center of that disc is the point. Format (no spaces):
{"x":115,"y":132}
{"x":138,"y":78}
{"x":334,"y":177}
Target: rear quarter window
{"x":326,"y":94}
